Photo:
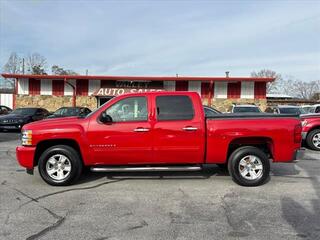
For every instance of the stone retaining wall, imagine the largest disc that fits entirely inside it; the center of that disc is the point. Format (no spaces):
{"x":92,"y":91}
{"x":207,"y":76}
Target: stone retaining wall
{"x":52,"y":103}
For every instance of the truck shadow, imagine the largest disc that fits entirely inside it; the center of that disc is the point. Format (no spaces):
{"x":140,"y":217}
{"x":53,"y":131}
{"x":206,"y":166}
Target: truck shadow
{"x":304,"y":220}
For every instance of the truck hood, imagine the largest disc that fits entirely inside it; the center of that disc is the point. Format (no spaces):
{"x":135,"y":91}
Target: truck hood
{"x":53,"y":123}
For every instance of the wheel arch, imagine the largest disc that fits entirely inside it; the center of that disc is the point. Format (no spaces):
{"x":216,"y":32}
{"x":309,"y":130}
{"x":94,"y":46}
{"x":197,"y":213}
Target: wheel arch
{"x":45,"y":144}
{"x":263,"y":143}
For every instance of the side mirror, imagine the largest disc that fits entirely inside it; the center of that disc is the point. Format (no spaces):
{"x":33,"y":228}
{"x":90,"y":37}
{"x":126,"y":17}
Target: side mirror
{"x":105,"y":118}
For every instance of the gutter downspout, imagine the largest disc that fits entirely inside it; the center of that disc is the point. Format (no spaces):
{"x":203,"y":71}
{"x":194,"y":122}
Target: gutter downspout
{"x":74,"y":97}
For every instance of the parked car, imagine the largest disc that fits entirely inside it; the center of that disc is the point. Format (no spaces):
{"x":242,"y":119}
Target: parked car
{"x":70,"y":111}
{"x":158,"y":131}
{"x":307,"y":109}
{"x":4,"y":110}
{"x":209,"y":111}
{"x":311,"y":130}
{"x":245,"y":108}
{"x":285,"y":109}
{"x":315,"y":108}
{"x":21,"y":116}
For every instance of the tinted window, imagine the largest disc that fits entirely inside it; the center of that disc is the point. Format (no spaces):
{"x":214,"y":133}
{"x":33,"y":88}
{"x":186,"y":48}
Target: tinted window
{"x":290,"y":110}
{"x":25,"y":111}
{"x":246,"y":109}
{"x":174,"y":108}
{"x":129,"y":109}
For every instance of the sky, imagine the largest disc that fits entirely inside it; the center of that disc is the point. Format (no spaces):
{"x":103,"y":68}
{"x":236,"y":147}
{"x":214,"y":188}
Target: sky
{"x":164,"y":38}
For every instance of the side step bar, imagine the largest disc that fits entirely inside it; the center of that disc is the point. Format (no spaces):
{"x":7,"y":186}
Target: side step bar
{"x":146,"y":169}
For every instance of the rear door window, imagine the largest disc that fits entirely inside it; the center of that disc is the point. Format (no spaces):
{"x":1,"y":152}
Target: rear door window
{"x":174,"y":108}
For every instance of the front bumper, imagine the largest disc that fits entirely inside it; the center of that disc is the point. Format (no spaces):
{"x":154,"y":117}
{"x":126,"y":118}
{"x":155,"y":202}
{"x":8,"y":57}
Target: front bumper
{"x":11,"y":126}
{"x":25,"y":156}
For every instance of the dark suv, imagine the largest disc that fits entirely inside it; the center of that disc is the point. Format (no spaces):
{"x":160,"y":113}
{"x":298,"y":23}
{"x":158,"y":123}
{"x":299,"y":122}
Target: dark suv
{"x":21,"y":116}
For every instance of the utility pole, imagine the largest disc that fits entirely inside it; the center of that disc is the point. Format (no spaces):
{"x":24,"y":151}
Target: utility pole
{"x":87,"y":72}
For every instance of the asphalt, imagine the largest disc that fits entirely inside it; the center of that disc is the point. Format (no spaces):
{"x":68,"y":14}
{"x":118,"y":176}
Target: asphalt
{"x":204,"y":205}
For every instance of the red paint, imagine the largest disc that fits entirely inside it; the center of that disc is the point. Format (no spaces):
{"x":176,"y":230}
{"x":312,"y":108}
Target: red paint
{"x":182,"y":86}
{"x":140,"y":78}
{"x":57,"y":88}
{"x":234,"y":90}
{"x":165,"y":142}
{"x":82,"y":87}
{"x":260,"y":90}
{"x":34,"y":86}
{"x":310,"y":122}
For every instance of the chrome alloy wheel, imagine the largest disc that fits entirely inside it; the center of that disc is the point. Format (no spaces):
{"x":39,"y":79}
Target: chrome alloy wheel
{"x":316,"y":140}
{"x":250,"y":167}
{"x":58,"y":167}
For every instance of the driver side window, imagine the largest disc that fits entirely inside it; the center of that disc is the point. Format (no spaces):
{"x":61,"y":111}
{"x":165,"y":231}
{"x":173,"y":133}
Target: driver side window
{"x":129,"y":109}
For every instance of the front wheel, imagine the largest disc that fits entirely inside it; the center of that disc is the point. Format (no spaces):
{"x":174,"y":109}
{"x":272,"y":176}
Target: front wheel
{"x":60,"y":165}
{"x":313,"y":139}
{"x":249,"y":166}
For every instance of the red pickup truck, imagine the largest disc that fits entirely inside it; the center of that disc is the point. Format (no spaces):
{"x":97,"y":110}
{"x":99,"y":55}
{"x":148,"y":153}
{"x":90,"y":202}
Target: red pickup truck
{"x":158,"y":131}
{"x":311,"y":130}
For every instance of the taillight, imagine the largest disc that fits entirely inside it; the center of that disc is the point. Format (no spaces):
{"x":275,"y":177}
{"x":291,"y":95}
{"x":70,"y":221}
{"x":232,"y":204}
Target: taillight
{"x":297,"y":133}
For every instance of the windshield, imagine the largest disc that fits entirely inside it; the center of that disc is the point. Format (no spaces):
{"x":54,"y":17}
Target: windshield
{"x":67,"y":111}
{"x":24,"y":111}
{"x":290,"y":110}
{"x":246,"y":109}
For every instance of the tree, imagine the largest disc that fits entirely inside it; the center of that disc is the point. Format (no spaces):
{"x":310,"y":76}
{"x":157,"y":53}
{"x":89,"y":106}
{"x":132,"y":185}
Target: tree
{"x":271,"y":86}
{"x":13,"y":65}
{"x":56,"y":70}
{"x":36,"y":64}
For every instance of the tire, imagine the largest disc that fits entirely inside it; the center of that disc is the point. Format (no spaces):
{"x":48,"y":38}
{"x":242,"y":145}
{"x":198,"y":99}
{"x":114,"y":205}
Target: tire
{"x":252,"y":161}
{"x":60,"y":165}
{"x":313,"y":139}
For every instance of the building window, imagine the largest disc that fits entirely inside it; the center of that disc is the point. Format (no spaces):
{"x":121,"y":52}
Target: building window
{"x":57,"y":88}
{"x":234,"y":90}
{"x":260,"y":89}
{"x":82,"y":87}
{"x":34,"y":86}
{"x":181,"y":85}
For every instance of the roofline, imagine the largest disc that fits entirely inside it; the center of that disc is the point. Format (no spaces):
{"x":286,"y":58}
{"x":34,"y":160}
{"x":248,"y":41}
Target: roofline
{"x":138,"y":78}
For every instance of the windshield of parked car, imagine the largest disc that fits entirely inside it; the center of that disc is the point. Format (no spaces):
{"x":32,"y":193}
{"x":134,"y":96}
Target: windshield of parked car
{"x":291,"y":110}
{"x":24,"y":111}
{"x":246,"y":109}
{"x":67,"y":112}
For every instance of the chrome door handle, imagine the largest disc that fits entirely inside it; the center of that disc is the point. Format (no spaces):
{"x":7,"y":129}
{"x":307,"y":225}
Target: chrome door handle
{"x":141,"y":130}
{"x":190,"y":129}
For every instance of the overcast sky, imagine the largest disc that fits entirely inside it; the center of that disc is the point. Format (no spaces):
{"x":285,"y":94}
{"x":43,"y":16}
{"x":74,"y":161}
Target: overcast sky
{"x":166,"y":37}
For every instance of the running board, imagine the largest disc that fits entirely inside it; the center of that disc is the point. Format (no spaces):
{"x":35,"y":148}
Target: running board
{"x":146,"y":169}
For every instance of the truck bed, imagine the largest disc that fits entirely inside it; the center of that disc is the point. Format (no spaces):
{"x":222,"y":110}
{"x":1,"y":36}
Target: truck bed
{"x":226,"y":131}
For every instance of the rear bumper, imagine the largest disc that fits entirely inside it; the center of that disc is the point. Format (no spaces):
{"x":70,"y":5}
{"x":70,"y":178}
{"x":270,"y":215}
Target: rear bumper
{"x":25,"y":156}
{"x":295,"y":155}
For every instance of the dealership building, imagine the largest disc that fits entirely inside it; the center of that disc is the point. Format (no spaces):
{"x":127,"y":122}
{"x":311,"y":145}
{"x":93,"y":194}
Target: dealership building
{"x":55,"y":91}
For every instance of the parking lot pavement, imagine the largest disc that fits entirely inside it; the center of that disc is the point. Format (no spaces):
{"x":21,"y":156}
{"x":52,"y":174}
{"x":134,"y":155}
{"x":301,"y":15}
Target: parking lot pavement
{"x":204,"y":205}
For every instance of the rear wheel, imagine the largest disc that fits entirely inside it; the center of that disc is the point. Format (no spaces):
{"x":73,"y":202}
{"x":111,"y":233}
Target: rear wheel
{"x":313,"y":139}
{"x":60,"y":165}
{"x":249,"y":166}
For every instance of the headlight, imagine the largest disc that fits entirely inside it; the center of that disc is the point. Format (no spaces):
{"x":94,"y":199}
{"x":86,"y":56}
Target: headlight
{"x":26,"y":138}
{"x":304,"y":123}
{"x":20,"y":120}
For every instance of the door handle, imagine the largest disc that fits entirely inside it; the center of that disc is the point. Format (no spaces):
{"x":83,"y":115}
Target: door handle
{"x":190,"y":128}
{"x":141,"y":129}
